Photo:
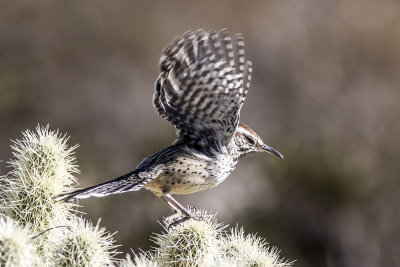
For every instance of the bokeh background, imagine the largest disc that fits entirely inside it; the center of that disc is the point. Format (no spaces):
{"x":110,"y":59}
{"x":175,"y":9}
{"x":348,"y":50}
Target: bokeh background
{"x":325,"y":93}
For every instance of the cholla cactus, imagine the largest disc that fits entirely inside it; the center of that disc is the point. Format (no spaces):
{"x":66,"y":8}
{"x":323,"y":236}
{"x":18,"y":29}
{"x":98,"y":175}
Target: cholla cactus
{"x":16,"y":247}
{"x":191,"y":243}
{"x":42,"y":167}
{"x":250,"y":250}
{"x":144,"y":260}
{"x":86,"y":245}
{"x":205,"y":243}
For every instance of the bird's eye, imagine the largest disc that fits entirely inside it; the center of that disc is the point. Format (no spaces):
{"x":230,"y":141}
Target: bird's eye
{"x":250,"y":140}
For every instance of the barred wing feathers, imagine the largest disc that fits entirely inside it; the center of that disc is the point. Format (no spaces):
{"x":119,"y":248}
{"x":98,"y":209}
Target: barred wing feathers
{"x":203,"y":82}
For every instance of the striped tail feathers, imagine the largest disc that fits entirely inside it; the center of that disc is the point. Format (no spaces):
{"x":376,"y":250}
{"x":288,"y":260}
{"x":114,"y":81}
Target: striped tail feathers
{"x":132,"y":181}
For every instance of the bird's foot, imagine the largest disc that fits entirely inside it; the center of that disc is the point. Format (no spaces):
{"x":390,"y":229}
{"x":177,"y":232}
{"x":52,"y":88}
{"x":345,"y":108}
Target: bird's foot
{"x":179,"y":221}
{"x":175,"y":219}
{"x":178,"y":218}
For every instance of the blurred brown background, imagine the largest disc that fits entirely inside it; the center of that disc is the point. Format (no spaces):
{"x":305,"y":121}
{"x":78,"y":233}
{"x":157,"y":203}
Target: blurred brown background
{"x":325,"y":92}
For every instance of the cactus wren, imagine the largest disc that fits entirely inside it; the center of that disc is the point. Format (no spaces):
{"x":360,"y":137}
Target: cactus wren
{"x":201,"y":88}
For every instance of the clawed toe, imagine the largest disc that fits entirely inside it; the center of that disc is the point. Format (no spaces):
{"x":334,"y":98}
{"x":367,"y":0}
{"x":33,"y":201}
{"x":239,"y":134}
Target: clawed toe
{"x":175,"y":219}
{"x":176,"y":223}
{"x":178,"y":218}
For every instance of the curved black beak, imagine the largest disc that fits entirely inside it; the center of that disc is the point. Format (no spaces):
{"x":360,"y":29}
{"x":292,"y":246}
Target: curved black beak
{"x":271,"y":151}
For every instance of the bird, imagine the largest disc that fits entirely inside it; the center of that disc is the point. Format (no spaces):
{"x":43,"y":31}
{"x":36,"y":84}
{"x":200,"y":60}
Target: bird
{"x":203,"y":82}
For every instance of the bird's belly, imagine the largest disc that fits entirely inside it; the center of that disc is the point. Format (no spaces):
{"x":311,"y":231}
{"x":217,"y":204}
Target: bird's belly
{"x":183,"y":184}
{"x":187,"y":178}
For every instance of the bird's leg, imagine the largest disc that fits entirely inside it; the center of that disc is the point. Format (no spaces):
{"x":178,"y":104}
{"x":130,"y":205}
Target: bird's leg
{"x":177,"y":208}
{"x":174,"y":205}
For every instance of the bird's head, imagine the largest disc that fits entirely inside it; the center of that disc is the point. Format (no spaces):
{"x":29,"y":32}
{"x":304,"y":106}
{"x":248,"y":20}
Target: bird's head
{"x":247,"y":141}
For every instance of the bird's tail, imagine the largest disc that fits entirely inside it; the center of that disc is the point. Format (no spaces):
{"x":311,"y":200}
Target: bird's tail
{"x":132,"y":181}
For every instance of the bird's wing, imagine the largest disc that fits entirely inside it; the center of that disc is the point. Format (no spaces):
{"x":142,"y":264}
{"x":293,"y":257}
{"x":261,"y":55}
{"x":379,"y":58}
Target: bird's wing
{"x":203,"y":82}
